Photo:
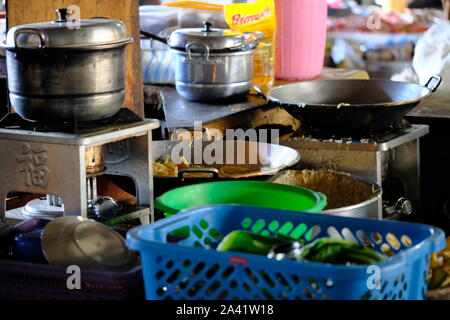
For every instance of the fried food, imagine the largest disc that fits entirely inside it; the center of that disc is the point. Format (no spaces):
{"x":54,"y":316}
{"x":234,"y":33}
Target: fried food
{"x":167,"y":168}
{"x":227,"y":171}
{"x":164,"y":169}
{"x":439,"y":276}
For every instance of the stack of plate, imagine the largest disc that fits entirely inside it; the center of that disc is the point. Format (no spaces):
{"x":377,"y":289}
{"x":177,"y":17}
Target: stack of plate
{"x":85,"y":243}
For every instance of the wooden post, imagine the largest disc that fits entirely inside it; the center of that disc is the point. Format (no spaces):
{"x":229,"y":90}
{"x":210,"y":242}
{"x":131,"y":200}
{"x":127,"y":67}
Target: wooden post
{"x":446,"y":7}
{"x":25,"y":11}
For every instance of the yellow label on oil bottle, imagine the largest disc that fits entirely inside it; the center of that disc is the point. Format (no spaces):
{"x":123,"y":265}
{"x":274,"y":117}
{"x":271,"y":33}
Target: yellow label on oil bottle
{"x":257,"y":16}
{"x":395,"y":5}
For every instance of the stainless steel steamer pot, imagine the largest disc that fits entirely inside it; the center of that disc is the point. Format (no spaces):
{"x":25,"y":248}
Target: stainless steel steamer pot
{"x":61,"y":71}
{"x":213,"y":63}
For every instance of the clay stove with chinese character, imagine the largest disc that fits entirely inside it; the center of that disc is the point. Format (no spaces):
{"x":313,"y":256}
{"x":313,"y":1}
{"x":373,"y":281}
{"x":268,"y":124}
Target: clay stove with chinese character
{"x":63,"y":161}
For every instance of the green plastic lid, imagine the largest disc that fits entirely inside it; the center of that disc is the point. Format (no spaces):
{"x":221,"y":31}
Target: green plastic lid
{"x":248,"y":193}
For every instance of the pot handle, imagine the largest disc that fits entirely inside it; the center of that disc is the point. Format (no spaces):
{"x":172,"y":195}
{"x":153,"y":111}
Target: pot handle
{"x":437,"y":79}
{"x":253,"y":38}
{"x":260,"y":92}
{"x":193,"y":45}
{"x":32,"y":31}
{"x":213,"y":171}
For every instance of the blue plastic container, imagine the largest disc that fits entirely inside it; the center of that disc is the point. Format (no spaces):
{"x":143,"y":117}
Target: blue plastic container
{"x":189,"y":268}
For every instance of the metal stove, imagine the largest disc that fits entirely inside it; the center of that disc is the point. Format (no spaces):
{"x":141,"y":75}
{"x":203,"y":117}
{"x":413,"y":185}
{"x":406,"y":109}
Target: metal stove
{"x":391,"y":159}
{"x":63,"y":161}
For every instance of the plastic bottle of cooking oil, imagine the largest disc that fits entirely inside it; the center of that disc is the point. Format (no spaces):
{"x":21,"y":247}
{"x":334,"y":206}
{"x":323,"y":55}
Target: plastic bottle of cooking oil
{"x":395,"y":5}
{"x":264,"y":65}
{"x":257,"y":16}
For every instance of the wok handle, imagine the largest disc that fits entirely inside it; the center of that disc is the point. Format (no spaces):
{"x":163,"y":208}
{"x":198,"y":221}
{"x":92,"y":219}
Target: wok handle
{"x":214,"y":172}
{"x":152,"y":36}
{"x":253,"y":39}
{"x":437,"y":79}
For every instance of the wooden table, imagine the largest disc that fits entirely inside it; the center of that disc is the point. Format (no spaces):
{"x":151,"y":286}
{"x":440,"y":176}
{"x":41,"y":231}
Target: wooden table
{"x":434,"y":107}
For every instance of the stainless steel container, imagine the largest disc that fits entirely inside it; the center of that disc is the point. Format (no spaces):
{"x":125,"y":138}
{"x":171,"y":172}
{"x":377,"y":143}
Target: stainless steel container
{"x":365,"y":210}
{"x":66,"y":70}
{"x":213,"y":63}
{"x":368,"y":192}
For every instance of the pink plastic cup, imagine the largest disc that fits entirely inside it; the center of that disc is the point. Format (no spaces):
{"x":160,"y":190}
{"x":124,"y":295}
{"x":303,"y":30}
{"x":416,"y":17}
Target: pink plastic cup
{"x":301,"y":38}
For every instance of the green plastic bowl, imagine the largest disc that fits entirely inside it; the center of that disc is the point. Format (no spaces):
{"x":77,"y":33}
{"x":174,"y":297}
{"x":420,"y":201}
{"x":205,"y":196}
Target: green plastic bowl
{"x":247,"y":193}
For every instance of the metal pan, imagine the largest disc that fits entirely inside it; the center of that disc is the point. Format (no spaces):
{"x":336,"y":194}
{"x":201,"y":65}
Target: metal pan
{"x":73,"y":240}
{"x":271,"y":159}
{"x":351,"y":107}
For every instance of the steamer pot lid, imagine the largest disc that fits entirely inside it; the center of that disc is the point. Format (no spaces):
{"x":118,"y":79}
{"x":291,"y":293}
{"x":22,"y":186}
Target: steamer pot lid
{"x":214,"y":39}
{"x":69,"y":33}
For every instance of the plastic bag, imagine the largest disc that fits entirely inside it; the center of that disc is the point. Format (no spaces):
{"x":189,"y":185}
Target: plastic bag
{"x":193,"y":13}
{"x":158,"y":63}
{"x":432,"y":56}
{"x":257,"y":16}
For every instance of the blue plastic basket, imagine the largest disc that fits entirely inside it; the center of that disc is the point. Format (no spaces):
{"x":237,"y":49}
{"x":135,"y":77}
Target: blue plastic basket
{"x":180,"y":267}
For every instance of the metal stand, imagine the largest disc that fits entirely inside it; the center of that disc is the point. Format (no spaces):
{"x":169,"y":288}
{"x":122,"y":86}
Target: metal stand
{"x":54,"y":163}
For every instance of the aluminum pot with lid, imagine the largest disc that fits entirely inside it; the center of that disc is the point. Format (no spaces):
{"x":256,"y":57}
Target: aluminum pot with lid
{"x":213,"y":63}
{"x":67,"y":71}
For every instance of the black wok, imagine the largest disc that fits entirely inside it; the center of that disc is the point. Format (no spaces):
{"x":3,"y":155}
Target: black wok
{"x":351,"y":107}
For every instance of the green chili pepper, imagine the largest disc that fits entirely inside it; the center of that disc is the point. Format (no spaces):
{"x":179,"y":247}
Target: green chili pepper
{"x":248,"y":242}
{"x":339,"y":251}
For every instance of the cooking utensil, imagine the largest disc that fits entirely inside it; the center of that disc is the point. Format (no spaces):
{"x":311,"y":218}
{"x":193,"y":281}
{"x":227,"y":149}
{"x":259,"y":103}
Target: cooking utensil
{"x":72,"y":240}
{"x":105,"y":207}
{"x":58,"y":71}
{"x":270,"y":159}
{"x":347,"y":195}
{"x":351,"y":107}
{"x":286,"y":251}
{"x":212,"y":63}
{"x":249,"y":193}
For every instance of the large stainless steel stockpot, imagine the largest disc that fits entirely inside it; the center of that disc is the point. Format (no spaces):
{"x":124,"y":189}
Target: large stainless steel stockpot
{"x":348,"y":195}
{"x":67,"y":70}
{"x":212,"y":63}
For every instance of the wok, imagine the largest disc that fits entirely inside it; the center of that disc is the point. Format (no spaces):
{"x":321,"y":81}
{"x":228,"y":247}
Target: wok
{"x":351,"y":107}
{"x":269,"y":160}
